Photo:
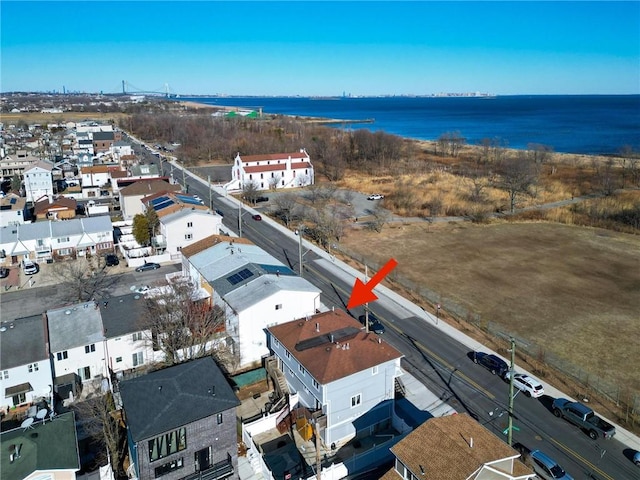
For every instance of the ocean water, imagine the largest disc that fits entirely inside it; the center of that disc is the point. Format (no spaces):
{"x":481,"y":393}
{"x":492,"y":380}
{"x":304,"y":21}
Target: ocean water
{"x":582,"y":124}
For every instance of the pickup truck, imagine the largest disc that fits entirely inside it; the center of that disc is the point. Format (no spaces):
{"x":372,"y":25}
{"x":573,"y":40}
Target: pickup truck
{"x":583,"y":417}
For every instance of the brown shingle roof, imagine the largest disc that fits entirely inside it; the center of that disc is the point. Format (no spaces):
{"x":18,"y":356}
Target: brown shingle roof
{"x":149,"y":187}
{"x":328,"y":361}
{"x":96,"y":169}
{"x":442,"y":446}
{"x":210,"y":241}
{"x":59,"y":203}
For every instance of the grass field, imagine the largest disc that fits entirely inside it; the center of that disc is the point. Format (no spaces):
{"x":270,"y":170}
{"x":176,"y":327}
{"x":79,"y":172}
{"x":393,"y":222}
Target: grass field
{"x":574,"y":291}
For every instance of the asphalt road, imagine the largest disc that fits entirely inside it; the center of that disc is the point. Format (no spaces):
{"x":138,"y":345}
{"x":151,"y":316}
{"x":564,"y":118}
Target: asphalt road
{"x":438,"y":360}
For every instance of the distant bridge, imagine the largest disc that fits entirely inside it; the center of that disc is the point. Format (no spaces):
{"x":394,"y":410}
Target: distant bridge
{"x":165,"y":91}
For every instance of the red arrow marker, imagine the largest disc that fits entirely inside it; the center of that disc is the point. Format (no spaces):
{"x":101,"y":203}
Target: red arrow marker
{"x":363,"y":293}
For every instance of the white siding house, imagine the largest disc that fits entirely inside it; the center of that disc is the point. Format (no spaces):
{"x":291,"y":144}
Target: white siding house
{"x":25,"y":369}
{"x":340,"y":370}
{"x":253,"y":289}
{"x":279,"y":170}
{"x":38,"y":181}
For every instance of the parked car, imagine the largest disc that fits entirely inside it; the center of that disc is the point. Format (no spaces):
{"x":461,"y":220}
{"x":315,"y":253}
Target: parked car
{"x":4,"y":272}
{"x":219,"y":212}
{"x":530,"y":386}
{"x":256,"y":217}
{"x":494,"y":364}
{"x":29,"y":267}
{"x":262,"y":199}
{"x":147,"y":266}
{"x":111,"y":260}
{"x":375,"y":196}
{"x":374,"y":324}
{"x":636,"y":458}
{"x":546,"y":467}
{"x":143,"y":289}
{"x":584,"y":417}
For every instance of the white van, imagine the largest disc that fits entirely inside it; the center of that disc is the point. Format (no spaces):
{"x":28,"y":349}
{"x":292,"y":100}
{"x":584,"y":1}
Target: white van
{"x":29,"y":268}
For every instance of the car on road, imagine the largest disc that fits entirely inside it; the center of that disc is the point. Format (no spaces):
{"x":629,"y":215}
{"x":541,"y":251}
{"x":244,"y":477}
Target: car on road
{"x":142,"y":289}
{"x":147,"y":266}
{"x":374,"y":324}
{"x":491,"y":362}
{"x":530,"y":386}
{"x":256,"y":217}
{"x":4,"y":272}
{"x":636,"y":458}
{"x":375,"y":196}
{"x":546,"y":467}
{"x":111,"y":260}
{"x":219,"y":212}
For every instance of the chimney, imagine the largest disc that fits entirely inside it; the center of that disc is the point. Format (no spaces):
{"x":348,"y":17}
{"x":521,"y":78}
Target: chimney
{"x":471,"y":442}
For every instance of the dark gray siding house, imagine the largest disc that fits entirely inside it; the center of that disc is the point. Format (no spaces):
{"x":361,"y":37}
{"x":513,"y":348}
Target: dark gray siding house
{"x":181,"y":423}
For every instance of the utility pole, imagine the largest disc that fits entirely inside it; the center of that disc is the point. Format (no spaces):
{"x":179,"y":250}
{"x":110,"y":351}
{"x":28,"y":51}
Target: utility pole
{"x":240,"y":219}
{"x":366,"y":305}
{"x":512,"y":371}
{"x":300,"y":229}
{"x":210,"y":199}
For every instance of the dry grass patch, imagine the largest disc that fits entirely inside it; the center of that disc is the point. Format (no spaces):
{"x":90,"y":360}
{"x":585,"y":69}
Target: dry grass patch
{"x":571,"y":290}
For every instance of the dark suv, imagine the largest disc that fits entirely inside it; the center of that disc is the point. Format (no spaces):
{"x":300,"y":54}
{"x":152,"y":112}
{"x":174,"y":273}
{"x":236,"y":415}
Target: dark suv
{"x":111,"y":260}
{"x":374,"y":324}
{"x":494,"y":364}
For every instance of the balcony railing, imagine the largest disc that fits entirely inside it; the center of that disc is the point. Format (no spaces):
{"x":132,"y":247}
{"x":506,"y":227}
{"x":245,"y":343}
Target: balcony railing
{"x":217,"y":471}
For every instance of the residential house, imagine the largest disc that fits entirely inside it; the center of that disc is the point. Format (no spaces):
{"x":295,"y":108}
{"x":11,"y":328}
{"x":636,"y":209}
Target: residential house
{"x":456,"y":446}
{"x":181,"y":421}
{"x":140,"y":170}
{"x":16,"y":164}
{"x":128,"y":342}
{"x":77,"y":343}
{"x":271,"y":171}
{"x":55,"y":208}
{"x":339,"y":371}
{"x":44,"y":450}
{"x":38,"y":181}
{"x":25,"y":368}
{"x":131,"y":195}
{"x":183,"y":220}
{"x":122,"y":152}
{"x":95,"y":179}
{"x":253,"y":289}
{"x":57,"y":239}
{"x":102,"y":141}
{"x":13,"y":210}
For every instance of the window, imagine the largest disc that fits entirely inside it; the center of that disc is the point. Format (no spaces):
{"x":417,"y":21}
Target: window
{"x":138,"y":359}
{"x":374,"y":370}
{"x":118,"y":359}
{"x":5,"y":374}
{"x":189,"y":224}
{"x":64,"y":251}
{"x":19,"y":398}
{"x":62,"y":239}
{"x":90,"y":348}
{"x":62,"y":355}
{"x":262,"y":175}
{"x":316,"y":385}
{"x":169,"y":467}
{"x":84,"y":373}
{"x":287,"y":354}
{"x":33,"y":367}
{"x":219,"y":419}
{"x":279,"y":306}
{"x":188,"y":236}
{"x":137,"y":336}
{"x":167,"y":444}
{"x":302,"y":370}
{"x":356,"y":400}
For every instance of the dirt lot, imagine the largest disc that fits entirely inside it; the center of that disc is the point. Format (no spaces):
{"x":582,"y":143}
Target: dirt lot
{"x":573,"y":291}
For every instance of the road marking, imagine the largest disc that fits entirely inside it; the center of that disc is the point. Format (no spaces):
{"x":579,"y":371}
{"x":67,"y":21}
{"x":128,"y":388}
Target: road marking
{"x":582,"y":459}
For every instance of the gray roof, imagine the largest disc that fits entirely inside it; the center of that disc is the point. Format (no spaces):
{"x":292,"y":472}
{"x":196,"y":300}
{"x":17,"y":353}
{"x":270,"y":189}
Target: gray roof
{"x":122,"y":315}
{"x":74,"y":326}
{"x":266,"y":286}
{"x":167,"y":399}
{"x":52,"y":229}
{"x":22,"y":342}
{"x":188,"y":212}
{"x":49,"y":446}
{"x":103,"y":136}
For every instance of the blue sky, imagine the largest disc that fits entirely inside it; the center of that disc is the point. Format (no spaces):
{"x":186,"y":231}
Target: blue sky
{"x":322,"y":48}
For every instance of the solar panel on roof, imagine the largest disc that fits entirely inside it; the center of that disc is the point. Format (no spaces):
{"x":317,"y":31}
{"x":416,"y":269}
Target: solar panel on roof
{"x":155,"y":201}
{"x":160,"y":206}
{"x":188,"y":199}
{"x":240,"y":276}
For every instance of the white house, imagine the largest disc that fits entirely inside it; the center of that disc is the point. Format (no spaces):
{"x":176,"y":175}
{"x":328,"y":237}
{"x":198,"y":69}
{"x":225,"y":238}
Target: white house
{"x":77,"y":342}
{"x":339,"y":371}
{"x":94,"y":178}
{"x":38,"y":181}
{"x":183,"y":220}
{"x":57,"y":239}
{"x":13,"y":210}
{"x":253,"y":289}
{"x":128,"y":344}
{"x":25,"y":369}
{"x":271,"y":171}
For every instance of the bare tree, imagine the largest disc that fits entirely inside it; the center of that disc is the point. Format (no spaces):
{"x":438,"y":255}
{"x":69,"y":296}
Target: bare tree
{"x":82,"y":280}
{"x":605,"y":176}
{"x":450,"y":143}
{"x":539,"y":153}
{"x":183,"y":326}
{"x":275,"y":181}
{"x":518,"y":176}
{"x":286,"y":206}
{"x":250,"y":191}
{"x":100,"y":421}
{"x":380,"y":218}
